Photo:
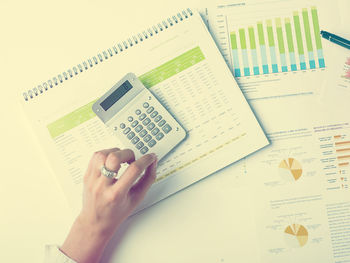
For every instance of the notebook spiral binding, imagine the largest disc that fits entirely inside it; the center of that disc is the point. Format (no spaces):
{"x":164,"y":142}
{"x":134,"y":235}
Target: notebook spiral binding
{"x":106,"y":54}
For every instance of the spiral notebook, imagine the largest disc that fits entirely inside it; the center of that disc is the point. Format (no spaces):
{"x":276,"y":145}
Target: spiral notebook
{"x":178,"y":61}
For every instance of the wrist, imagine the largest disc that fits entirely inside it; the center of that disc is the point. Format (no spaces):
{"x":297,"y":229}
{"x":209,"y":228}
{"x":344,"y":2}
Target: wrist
{"x":85,"y":242}
{"x":91,"y":229}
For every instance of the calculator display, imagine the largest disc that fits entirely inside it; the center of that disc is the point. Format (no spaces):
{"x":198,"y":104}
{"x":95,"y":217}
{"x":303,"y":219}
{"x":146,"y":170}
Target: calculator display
{"x":137,"y":119}
{"x":116,"y":95}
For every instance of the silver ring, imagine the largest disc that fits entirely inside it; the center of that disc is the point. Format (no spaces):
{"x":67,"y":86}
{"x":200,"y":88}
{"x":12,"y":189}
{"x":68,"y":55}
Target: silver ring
{"x":108,"y":173}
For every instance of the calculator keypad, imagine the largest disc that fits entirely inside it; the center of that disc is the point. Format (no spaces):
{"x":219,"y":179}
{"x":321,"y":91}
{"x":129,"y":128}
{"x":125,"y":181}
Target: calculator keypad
{"x":147,"y":138}
{"x":146,"y":121}
{"x":151,"y":143}
{"x":150,"y":126}
{"x":139,"y":145}
{"x":158,"y":118}
{"x":145,"y":128}
{"x":143,"y":133}
{"x":126,"y":131}
{"x":166,"y":128}
{"x":142,"y":116}
{"x":144,"y":150}
{"x":154,"y":114}
{"x":159,"y":136}
{"x":155,"y":131}
{"x":135,"y":140}
{"x":131,"y":135}
{"x":134,"y":124}
{"x":150,"y":109}
{"x":138,"y":128}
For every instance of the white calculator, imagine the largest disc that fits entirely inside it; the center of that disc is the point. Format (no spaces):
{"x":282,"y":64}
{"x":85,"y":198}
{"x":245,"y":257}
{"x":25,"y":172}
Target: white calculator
{"x":138,"y":119}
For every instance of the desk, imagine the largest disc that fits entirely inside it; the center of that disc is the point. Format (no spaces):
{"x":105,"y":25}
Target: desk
{"x":208,"y":222}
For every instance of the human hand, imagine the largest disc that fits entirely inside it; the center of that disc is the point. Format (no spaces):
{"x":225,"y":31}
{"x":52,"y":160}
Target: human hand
{"x":107,"y":202}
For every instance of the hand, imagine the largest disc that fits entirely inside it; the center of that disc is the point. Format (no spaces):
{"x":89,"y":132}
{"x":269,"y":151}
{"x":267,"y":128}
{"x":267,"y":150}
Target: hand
{"x":107,"y":202}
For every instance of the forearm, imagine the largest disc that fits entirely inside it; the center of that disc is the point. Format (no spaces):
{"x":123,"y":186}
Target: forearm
{"x":84,"y":243}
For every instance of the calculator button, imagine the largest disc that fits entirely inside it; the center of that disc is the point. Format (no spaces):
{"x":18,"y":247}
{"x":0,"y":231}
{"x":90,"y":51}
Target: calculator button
{"x":138,"y":112}
{"x":146,"y":121}
{"x":122,"y":126}
{"x":145,"y":105}
{"x":161,"y":123}
{"x":159,"y":136}
{"x":150,"y":126}
{"x":158,"y":118}
{"x":131,"y":135}
{"x":147,"y":138}
{"x":138,"y":128}
{"x":126,"y":130}
{"x":139,"y":145}
{"x":144,"y":150}
{"x":135,"y":140}
{"x":130,"y":119}
{"x":150,"y":109}
{"x":143,"y":133}
{"x":134,"y":124}
{"x":142,"y":116}
{"x":151,"y":143}
{"x":167,"y":128}
{"x":155,"y":131}
{"x":154,"y":114}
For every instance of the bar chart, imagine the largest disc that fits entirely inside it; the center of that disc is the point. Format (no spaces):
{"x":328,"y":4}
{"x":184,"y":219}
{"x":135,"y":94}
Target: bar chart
{"x":277,"y":45}
{"x":336,"y":159}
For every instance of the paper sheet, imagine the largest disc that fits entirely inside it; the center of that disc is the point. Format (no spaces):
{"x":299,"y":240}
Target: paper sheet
{"x":300,"y":182}
{"x":303,"y":199}
{"x":273,"y":47}
{"x":185,"y":71}
{"x":337,"y":84}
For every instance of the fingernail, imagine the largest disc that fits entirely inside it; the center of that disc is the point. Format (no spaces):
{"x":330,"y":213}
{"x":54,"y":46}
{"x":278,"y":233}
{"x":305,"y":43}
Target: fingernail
{"x":155,"y":157}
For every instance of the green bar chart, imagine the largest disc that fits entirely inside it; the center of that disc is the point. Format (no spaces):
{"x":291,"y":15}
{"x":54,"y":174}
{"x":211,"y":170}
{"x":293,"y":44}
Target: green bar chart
{"x":278,"y":44}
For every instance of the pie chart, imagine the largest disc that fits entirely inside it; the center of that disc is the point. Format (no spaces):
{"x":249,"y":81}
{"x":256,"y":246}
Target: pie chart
{"x":296,"y":235}
{"x":290,"y":169}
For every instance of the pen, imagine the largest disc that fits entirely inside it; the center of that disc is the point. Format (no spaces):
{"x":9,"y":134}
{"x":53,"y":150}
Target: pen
{"x":336,"y":39}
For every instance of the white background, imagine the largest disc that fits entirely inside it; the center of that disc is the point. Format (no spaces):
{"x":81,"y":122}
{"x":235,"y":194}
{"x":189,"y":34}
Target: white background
{"x":208,"y":222}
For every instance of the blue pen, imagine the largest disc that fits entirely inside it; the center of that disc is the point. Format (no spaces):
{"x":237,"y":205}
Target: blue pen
{"x":336,"y":39}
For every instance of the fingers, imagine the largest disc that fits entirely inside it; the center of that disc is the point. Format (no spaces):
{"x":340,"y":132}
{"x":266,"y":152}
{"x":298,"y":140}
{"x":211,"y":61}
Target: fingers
{"x":115,"y":159}
{"x":96,"y":161}
{"x":139,"y":190}
{"x":134,"y":171}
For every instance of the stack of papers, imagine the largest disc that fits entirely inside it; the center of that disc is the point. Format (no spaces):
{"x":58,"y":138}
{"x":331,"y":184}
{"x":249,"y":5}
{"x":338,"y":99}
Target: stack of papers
{"x":291,"y":77}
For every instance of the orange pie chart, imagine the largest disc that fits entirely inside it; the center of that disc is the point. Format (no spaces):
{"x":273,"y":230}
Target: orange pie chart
{"x":290,"y":169}
{"x":296,"y":235}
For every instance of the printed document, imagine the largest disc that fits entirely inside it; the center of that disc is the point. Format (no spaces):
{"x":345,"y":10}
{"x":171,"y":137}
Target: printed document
{"x":183,"y":68}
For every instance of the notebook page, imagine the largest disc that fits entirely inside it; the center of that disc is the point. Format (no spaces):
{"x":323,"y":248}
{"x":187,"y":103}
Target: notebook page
{"x":183,"y":68}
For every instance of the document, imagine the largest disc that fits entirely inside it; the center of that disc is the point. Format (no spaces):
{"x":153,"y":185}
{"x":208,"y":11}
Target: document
{"x":337,"y":85}
{"x":273,"y":48}
{"x":183,"y":69}
{"x":300,"y":183}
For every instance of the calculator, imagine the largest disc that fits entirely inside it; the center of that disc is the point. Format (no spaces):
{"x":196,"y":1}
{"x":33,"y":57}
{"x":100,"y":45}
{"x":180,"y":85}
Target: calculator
{"x":138,"y":119}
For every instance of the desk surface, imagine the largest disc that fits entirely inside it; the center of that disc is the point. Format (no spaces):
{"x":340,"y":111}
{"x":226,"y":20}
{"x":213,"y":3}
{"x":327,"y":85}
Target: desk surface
{"x":197,"y":224}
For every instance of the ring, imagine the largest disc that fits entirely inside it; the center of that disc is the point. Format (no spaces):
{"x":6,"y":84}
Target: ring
{"x":108,"y":173}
